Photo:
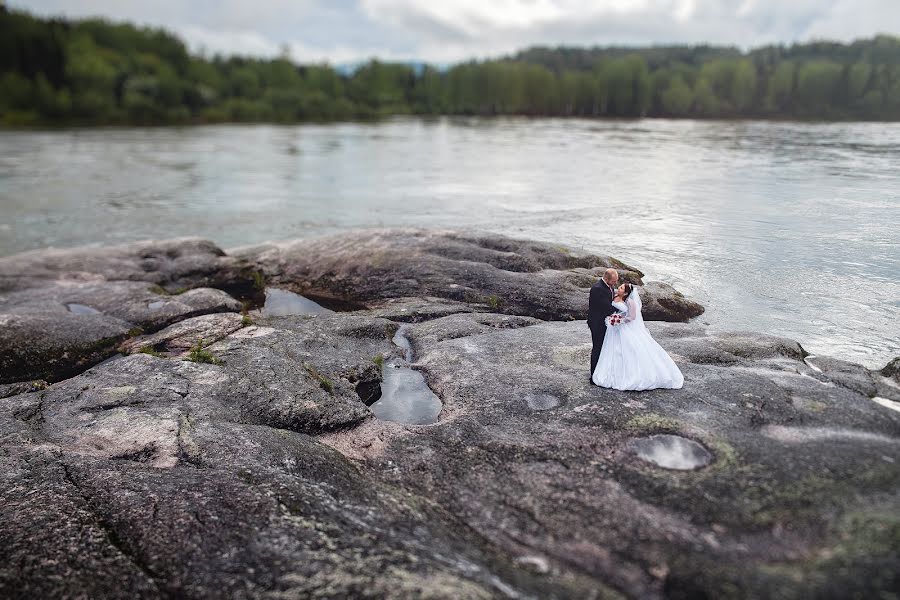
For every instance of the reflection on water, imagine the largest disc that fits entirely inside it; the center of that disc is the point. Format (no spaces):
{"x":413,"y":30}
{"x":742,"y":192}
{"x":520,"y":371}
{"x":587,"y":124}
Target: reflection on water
{"x":406,"y":398}
{"x":786,"y":228}
{"x":671,"y":452}
{"x":282,"y":303}
{"x":81,"y":309}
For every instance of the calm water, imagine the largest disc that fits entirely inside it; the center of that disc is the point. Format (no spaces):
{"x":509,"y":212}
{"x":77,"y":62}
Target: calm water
{"x":778,"y":227}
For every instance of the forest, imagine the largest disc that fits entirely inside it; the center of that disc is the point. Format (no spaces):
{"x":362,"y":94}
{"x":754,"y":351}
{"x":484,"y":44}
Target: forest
{"x":95,"y":72}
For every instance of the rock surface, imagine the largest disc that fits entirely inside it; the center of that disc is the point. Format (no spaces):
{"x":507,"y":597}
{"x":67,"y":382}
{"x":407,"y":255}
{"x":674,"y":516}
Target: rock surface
{"x":263,"y":474}
{"x":493,"y":272}
{"x":177,"y":264}
{"x":65,"y":310}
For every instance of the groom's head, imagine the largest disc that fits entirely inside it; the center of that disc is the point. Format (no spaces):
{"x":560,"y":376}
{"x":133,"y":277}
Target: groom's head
{"x":611,"y":277}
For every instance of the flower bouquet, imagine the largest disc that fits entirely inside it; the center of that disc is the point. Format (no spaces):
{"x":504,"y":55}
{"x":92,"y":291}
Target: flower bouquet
{"x":614,"y":319}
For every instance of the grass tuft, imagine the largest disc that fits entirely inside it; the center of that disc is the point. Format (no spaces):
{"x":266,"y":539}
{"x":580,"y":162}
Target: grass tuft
{"x":199,"y":354}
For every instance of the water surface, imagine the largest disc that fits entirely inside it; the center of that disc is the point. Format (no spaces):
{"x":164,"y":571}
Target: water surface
{"x":786,"y":228}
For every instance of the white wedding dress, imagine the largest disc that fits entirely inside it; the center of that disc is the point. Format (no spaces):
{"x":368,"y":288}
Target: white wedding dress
{"x":630,"y":358}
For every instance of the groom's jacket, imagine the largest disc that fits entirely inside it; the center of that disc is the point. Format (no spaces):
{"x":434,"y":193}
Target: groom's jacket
{"x":599,"y":305}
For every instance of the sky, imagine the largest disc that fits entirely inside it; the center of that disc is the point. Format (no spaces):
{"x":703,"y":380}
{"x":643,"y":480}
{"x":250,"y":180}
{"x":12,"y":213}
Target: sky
{"x":449,"y":31}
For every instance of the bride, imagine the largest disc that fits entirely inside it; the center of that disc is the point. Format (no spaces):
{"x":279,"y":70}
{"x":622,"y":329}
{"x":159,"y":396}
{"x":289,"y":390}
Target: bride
{"x":630,"y":358}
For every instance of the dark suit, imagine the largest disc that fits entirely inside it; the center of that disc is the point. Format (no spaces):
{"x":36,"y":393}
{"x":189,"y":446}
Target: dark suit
{"x":599,"y":307}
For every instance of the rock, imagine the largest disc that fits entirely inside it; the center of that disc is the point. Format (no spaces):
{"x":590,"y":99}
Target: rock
{"x":22,"y":387}
{"x":265,"y":474}
{"x":142,"y":477}
{"x":177,"y":478}
{"x":175,"y":265}
{"x":61,"y":328}
{"x":495,"y":273}
{"x":69,"y":309}
{"x":180,"y":337}
{"x":47,"y":341}
{"x":892,"y":369}
{"x":414,"y":310}
{"x":850,"y":375}
{"x":137,"y":303}
{"x":662,"y":302}
{"x":536,"y":459}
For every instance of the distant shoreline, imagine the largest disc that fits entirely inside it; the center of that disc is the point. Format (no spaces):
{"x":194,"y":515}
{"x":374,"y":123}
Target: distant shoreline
{"x":52,"y":126}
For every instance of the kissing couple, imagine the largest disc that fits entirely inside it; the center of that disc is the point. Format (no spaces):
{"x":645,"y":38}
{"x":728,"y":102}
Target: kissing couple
{"x":625,"y":356}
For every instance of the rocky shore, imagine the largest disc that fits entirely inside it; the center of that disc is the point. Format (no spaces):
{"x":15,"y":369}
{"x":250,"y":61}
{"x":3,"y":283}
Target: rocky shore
{"x":141,"y":462}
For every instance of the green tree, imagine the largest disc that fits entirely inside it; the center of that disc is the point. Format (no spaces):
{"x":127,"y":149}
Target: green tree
{"x":678,"y":98}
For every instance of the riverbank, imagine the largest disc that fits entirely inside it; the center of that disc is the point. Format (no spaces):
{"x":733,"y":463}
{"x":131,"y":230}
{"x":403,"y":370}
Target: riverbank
{"x":250,"y":463}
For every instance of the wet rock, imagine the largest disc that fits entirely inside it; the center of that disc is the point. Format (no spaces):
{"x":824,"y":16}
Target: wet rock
{"x":496,"y":273}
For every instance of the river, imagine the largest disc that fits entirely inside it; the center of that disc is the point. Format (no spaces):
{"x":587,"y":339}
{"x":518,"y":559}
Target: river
{"x":778,"y":227}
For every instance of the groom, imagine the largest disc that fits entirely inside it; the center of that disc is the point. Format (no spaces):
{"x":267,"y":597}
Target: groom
{"x":599,"y":307}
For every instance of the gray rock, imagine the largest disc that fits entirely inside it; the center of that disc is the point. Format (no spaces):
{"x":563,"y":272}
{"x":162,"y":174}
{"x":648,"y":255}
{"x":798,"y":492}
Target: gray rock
{"x":493,"y":272}
{"x":265,"y":475}
{"x":45,"y":341}
{"x":175,"y":265}
{"x":662,"y":302}
{"x":180,"y":337}
{"x":892,"y":369}
{"x":69,"y":309}
{"x":142,"y":477}
{"x":60,"y":328}
{"x":148,"y":307}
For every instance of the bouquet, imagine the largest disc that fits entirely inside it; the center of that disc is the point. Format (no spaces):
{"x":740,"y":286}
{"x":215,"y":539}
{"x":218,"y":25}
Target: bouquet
{"x":614,"y":319}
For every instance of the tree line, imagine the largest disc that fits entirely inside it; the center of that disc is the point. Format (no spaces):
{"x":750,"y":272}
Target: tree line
{"x":96,"y":72}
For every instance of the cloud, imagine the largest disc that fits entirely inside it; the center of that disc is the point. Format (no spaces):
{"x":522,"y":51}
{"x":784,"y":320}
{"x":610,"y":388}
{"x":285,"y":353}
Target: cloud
{"x":449,"y":31}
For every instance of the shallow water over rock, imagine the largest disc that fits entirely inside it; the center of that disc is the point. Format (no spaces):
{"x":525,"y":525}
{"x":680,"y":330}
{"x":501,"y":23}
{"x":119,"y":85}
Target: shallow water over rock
{"x":671,"y":452}
{"x":282,"y":303}
{"x":406,"y":398}
{"x":401,"y":341}
{"x":81,"y":309}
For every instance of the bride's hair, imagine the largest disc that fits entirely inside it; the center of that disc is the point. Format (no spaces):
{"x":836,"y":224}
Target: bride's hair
{"x":628,"y":289}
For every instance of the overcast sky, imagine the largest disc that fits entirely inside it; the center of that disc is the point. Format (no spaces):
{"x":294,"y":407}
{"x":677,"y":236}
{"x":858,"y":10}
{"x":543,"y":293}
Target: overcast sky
{"x":445,"y":31}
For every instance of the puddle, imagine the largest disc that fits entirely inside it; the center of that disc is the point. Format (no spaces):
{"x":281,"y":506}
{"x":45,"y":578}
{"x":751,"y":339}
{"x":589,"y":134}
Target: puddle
{"x":541,"y":401}
{"x":157,"y":304}
{"x":671,"y":452}
{"x":406,"y":398}
{"x":81,"y":309}
{"x":282,"y":303}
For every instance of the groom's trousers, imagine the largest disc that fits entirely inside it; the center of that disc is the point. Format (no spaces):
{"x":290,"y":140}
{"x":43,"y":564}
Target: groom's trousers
{"x":597,"y":335}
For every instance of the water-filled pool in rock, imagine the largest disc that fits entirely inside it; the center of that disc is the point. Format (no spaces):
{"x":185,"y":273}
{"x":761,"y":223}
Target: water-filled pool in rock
{"x":81,"y":309}
{"x":282,"y":303}
{"x":671,"y":452}
{"x":406,"y":398}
